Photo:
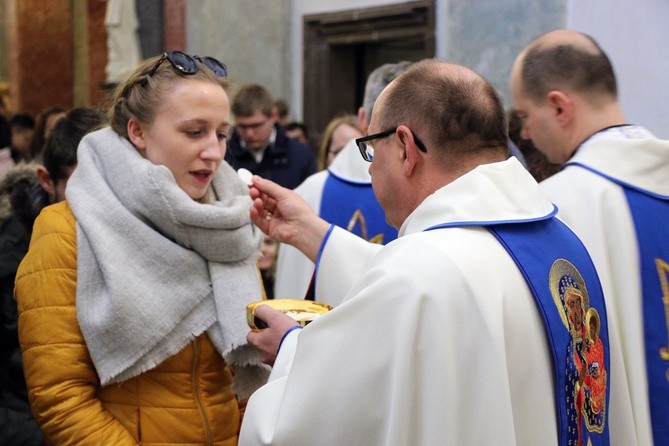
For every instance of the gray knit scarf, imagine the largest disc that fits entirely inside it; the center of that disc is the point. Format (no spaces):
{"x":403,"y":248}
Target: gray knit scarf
{"x":155,"y":268}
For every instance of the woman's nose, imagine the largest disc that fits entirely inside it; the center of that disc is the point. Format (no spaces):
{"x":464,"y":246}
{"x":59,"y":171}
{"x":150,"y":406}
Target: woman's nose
{"x":215,"y":148}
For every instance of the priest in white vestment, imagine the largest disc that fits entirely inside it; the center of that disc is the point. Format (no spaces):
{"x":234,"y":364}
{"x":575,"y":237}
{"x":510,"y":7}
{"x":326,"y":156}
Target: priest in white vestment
{"x":568,"y":102}
{"x":294,"y":271}
{"x":438,"y":340}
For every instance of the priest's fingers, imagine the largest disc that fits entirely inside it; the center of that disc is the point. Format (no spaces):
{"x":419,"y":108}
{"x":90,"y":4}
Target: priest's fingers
{"x":285,"y":216}
{"x":268,"y":203}
{"x":267,"y":340}
{"x":268,"y":191}
{"x":263,"y":193}
{"x":260,"y":216}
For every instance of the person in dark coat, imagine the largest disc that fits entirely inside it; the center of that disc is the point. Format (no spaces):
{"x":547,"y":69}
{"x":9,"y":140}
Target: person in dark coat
{"x":260,"y":144}
{"x":24,"y":190}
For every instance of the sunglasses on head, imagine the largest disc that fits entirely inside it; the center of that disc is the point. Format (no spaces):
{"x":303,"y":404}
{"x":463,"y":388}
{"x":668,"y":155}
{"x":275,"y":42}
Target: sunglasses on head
{"x":186,"y":64}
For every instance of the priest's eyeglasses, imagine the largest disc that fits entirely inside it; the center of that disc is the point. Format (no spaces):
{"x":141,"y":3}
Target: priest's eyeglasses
{"x":185,"y":63}
{"x":367,"y":149}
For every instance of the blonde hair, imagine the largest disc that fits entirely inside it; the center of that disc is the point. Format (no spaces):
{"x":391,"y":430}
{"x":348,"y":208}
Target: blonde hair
{"x":350,"y":120}
{"x":140,"y":95}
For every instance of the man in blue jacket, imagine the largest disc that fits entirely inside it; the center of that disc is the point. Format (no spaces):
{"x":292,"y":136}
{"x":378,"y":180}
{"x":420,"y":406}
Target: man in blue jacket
{"x":260,"y":144}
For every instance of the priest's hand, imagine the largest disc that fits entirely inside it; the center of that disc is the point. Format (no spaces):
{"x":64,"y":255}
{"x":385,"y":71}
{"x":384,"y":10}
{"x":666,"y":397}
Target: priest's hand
{"x":267,"y":340}
{"x":285,"y":216}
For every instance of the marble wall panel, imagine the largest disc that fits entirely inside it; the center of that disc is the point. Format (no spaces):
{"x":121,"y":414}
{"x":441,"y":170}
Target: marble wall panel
{"x":487,"y":35}
{"x":251,"y":36}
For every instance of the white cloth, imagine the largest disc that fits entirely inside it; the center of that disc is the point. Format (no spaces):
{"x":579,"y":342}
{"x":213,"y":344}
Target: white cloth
{"x":157,"y":268}
{"x":122,"y":39}
{"x":294,"y":269}
{"x":597,"y":210}
{"x":437,"y":342}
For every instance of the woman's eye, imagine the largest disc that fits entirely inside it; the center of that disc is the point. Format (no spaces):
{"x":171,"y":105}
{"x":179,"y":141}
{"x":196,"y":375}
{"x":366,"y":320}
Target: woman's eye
{"x":194,"y":133}
{"x":222,"y":136}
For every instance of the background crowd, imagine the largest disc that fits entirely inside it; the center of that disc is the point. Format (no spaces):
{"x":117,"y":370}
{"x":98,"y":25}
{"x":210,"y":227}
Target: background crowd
{"x":155,"y":208}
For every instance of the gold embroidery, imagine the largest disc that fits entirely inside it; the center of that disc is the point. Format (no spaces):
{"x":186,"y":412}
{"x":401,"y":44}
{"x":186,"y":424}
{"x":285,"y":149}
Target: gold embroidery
{"x":560,"y":268}
{"x":357,"y":217}
{"x":663,"y":271}
{"x":586,"y":371}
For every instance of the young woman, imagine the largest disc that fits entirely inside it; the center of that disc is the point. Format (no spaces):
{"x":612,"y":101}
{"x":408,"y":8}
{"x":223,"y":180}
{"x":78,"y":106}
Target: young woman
{"x":132,"y":296}
{"x":337,"y":134}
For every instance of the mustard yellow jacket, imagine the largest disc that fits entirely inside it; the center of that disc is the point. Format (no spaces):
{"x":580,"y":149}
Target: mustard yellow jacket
{"x":184,"y":400}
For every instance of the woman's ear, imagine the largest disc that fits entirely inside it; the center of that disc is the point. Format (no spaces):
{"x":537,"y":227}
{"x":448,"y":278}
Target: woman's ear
{"x":136,"y":134}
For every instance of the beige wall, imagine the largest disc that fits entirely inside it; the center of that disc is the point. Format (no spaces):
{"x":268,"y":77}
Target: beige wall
{"x":252,"y":37}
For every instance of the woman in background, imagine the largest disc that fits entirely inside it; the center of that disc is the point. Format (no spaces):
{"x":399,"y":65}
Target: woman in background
{"x":44,"y":123}
{"x":337,"y":134}
{"x":267,"y":264}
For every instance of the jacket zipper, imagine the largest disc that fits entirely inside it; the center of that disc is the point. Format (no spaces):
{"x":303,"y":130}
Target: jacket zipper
{"x":196,"y":391}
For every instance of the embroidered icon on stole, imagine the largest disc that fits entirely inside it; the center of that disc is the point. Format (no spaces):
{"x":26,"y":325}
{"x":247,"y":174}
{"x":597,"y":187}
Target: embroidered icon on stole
{"x":586,"y":373}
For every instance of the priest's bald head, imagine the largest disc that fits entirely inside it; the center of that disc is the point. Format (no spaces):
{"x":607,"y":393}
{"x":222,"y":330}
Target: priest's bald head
{"x":564,"y":89}
{"x":431,"y":125}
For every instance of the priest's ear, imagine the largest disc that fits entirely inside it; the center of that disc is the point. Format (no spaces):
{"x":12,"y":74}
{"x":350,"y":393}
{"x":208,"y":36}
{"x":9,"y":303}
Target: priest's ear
{"x":411,"y":155}
{"x":363,"y":119}
{"x":562,"y":105}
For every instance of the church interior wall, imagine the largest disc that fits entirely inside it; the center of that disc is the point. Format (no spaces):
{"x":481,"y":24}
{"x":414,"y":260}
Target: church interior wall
{"x":262,"y":41}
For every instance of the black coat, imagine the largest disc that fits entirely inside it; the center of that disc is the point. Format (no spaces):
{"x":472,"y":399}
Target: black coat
{"x":287,"y":162}
{"x":18,"y":187}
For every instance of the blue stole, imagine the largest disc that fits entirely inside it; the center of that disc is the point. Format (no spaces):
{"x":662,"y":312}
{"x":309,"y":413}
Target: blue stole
{"x":353,"y":206}
{"x":565,"y":285}
{"x":650,"y":213}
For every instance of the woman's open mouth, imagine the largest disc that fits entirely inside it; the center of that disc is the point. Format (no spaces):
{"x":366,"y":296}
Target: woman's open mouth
{"x":202,"y":175}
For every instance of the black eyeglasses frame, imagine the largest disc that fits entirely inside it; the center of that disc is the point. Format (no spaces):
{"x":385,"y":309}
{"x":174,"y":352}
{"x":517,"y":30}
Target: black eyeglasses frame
{"x":185,"y":63}
{"x":362,"y":143}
